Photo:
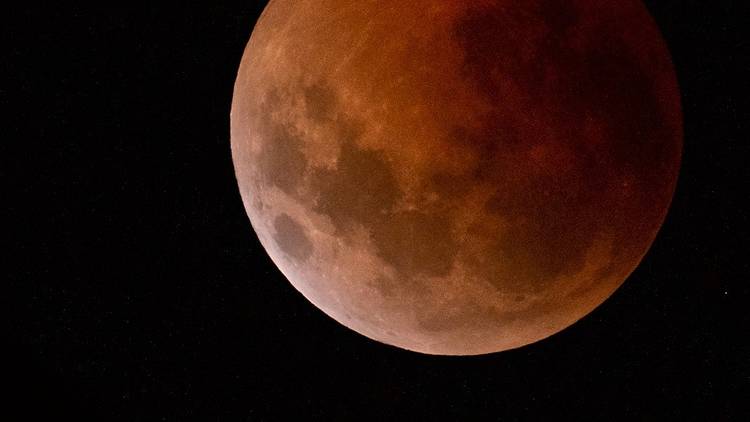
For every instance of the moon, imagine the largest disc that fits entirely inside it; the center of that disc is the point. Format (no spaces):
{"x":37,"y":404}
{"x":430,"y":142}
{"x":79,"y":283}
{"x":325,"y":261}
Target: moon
{"x":455,"y":177}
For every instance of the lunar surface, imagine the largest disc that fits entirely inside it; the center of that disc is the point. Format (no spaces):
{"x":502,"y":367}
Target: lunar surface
{"x":456,"y":177}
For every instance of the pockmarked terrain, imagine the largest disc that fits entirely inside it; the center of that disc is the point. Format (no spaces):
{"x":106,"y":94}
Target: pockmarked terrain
{"x":456,"y":177}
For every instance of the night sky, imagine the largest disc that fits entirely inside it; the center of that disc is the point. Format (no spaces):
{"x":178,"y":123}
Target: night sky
{"x":140,"y":291}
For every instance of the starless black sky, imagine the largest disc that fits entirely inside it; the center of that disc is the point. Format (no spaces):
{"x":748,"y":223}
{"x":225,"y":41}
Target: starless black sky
{"x":145,"y":295}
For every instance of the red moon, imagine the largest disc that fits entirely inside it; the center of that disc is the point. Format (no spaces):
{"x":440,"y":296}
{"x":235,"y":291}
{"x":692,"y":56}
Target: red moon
{"x":456,"y":177}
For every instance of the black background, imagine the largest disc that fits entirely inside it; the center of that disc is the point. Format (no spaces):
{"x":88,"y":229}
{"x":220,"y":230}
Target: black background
{"x":145,"y":295}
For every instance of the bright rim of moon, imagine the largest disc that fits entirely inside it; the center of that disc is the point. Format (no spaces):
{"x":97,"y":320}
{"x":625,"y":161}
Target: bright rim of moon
{"x":456,"y":177}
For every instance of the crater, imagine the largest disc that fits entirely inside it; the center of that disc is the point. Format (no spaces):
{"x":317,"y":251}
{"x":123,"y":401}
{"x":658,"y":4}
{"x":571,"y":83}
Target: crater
{"x":320,"y":102}
{"x":416,"y":243}
{"x":291,"y":238}
{"x":548,"y":234}
{"x":360,"y":190}
{"x":282,"y":162}
{"x":456,"y":318}
{"x":385,"y":286}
